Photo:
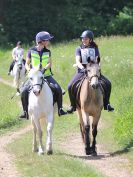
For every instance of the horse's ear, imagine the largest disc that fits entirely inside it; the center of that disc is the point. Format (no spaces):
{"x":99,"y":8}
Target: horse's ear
{"x":98,"y":59}
{"x":31,"y":66}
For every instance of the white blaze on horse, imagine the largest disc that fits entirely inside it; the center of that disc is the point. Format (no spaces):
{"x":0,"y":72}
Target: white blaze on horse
{"x":91,"y":104}
{"x":41,"y":109}
{"x":18,"y":71}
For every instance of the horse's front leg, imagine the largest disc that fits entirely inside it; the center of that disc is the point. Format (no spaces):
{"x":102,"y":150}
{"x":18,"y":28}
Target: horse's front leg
{"x":50,"y":121}
{"x":34,"y":148}
{"x":40,"y":133}
{"x":87,"y":131}
{"x":94,"y":151}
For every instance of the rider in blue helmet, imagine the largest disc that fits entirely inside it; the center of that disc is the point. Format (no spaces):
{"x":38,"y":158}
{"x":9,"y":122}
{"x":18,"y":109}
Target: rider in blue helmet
{"x":40,"y":54}
{"x":86,"y":52}
{"x":43,"y":36}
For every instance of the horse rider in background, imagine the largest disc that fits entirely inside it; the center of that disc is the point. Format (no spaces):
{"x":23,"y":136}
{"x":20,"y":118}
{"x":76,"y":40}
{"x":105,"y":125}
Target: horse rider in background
{"x":88,"y":50}
{"x":18,"y":50}
{"x":40,"y":54}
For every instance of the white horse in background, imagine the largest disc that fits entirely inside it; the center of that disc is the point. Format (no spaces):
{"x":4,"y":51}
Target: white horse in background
{"x":18,"y":71}
{"x":41,"y":109}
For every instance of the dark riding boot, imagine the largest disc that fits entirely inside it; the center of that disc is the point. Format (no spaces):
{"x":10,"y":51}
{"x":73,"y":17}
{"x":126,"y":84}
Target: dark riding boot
{"x":110,"y":108}
{"x":24,"y":115}
{"x":71,"y":109}
{"x":24,"y":100}
{"x":106,"y":84}
{"x":61,"y":112}
{"x":11,"y":67}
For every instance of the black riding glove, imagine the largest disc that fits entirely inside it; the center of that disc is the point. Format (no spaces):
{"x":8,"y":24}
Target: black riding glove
{"x":43,"y":70}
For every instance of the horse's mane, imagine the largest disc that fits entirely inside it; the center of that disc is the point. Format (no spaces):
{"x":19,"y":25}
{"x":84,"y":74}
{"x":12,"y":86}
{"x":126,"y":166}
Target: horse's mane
{"x":92,"y":63}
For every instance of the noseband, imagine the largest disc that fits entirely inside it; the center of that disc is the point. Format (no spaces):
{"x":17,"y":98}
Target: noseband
{"x":39,"y":85}
{"x":92,"y":77}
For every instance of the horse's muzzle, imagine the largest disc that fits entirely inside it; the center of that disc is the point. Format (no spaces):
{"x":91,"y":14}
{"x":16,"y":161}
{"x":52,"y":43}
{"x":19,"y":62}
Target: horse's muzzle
{"x":37,"y":93}
{"x":20,"y":67}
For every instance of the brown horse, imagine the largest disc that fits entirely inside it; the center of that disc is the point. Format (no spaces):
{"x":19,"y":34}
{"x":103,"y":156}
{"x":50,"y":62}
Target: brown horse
{"x":91,"y":104}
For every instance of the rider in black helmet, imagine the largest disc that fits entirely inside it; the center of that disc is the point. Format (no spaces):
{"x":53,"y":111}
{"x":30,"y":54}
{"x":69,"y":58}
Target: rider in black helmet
{"x":88,"y":50}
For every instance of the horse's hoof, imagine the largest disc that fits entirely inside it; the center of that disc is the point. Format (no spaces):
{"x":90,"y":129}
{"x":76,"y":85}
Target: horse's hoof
{"x":94,"y":153}
{"x":41,"y":153}
{"x":35,"y":150}
{"x":88,"y":153}
{"x":50,"y":152}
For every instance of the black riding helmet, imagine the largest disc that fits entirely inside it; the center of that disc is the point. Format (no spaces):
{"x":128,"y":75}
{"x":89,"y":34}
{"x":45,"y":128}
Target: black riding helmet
{"x":19,"y":43}
{"x":87,"y":34}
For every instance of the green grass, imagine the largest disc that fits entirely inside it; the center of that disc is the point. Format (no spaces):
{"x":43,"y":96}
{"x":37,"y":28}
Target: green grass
{"x":59,"y":164}
{"x":117,"y":65}
{"x":9,"y":109}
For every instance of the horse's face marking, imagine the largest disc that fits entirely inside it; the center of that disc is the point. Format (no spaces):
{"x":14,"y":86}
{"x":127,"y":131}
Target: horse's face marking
{"x":93,"y":73}
{"x":36,"y":78}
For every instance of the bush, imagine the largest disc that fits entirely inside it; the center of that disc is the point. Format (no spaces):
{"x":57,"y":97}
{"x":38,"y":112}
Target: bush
{"x":122,"y":24}
{"x":3,"y":36}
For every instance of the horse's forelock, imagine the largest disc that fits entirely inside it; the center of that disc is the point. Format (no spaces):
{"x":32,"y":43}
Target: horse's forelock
{"x":33,"y":72}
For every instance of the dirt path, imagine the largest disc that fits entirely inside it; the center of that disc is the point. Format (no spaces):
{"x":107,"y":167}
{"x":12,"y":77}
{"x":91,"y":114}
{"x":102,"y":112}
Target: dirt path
{"x":116,"y":166}
{"x":6,"y":82}
{"x":111,"y":166}
{"x":7,"y":166}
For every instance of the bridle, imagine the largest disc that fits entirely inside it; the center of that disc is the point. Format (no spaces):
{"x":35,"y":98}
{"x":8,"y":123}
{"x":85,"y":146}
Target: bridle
{"x":90,"y":78}
{"x":41,"y":85}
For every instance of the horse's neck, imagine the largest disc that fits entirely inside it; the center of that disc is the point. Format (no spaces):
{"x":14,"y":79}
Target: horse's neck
{"x":45,"y":90}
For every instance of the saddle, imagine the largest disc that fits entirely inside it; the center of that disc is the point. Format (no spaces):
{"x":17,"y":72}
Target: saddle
{"x":53,"y":89}
{"x":76,"y":88}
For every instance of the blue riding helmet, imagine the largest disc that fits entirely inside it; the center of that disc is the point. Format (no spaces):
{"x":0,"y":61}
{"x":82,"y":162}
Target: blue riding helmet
{"x":43,"y":36}
{"x":87,"y":34}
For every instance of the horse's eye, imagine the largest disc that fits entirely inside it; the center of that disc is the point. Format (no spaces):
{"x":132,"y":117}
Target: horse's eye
{"x":41,"y":77}
{"x":31,"y":78}
{"x":88,"y":70}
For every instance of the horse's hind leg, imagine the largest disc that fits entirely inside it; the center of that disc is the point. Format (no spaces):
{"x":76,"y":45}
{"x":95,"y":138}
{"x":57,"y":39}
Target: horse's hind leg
{"x":34,"y":149}
{"x":49,"y":134}
{"x":81,"y":124}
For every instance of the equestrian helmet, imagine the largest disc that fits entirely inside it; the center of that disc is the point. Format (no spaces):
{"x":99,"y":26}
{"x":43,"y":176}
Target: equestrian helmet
{"x":43,"y":36}
{"x":87,"y":34}
{"x":19,"y":43}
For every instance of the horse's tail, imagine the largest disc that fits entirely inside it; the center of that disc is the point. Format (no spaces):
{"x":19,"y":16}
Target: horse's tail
{"x":91,"y":130}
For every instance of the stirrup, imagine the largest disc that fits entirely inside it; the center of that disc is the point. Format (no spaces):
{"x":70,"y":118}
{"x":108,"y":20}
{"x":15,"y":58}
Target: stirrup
{"x":110,"y":108}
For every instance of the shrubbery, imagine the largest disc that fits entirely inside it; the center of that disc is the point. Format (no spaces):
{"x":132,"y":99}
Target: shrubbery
{"x":64,"y":19}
